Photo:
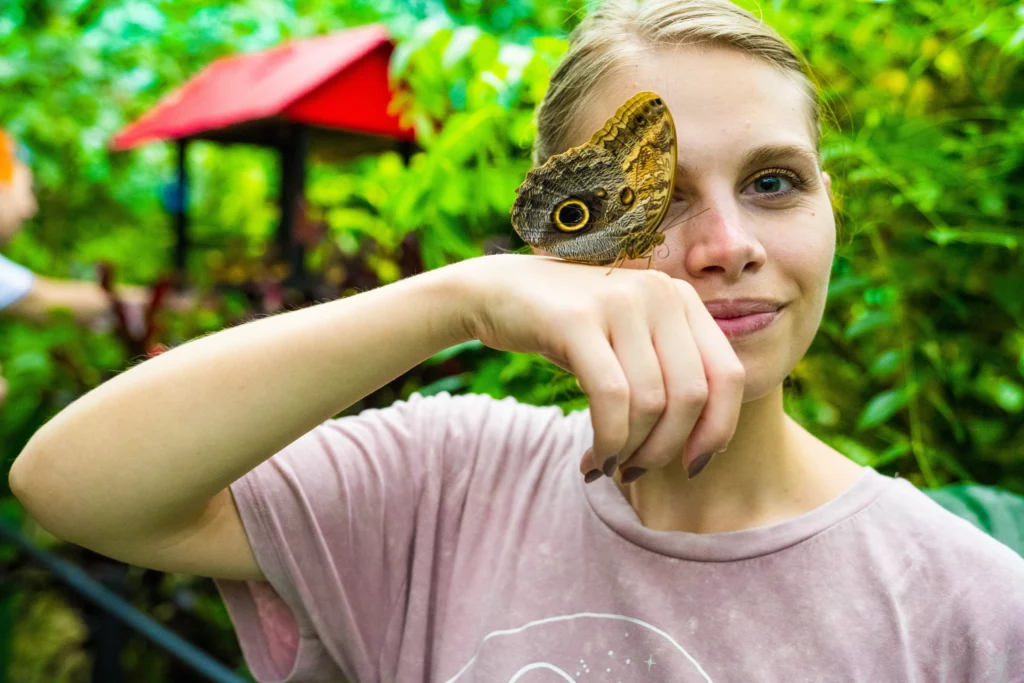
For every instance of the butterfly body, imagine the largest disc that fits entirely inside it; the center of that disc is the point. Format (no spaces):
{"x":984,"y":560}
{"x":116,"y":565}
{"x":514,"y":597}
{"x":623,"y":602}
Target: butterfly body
{"x":602,"y":202}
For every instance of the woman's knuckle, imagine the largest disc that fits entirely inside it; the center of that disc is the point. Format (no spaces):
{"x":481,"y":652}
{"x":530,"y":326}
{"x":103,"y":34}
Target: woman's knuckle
{"x":621,"y":298}
{"x":574,"y":315}
{"x":684,"y":288}
{"x":692,"y":391}
{"x":615,"y":390}
{"x":657,"y":278}
{"x":734,"y":373}
{"x":649,"y":402}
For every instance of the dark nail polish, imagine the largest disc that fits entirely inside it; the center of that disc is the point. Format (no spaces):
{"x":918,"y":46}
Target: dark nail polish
{"x":699,"y":464}
{"x":632,"y":474}
{"x":609,"y":465}
{"x":593,"y":475}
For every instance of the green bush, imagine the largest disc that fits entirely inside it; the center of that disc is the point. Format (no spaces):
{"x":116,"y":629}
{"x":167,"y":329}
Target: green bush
{"x":919,"y":365}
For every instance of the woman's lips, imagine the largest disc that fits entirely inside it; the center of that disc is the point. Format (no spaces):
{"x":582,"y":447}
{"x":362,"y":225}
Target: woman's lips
{"x":747,"y":324}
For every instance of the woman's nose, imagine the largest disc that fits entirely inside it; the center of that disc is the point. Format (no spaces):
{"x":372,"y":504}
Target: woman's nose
{"x":721,"y":240}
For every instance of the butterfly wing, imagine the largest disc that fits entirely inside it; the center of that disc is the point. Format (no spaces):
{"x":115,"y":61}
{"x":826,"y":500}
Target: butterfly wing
{"x":642,"y":136}
{"x":588,"y":203}
{"x":570,"y":206}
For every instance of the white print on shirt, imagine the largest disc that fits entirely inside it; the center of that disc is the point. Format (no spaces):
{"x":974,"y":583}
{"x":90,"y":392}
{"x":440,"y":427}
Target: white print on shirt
{"x":612,"y":649}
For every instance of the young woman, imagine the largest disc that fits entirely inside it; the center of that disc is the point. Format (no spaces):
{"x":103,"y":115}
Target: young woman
{"x":24,"y":294}
{"x":456,"y":538}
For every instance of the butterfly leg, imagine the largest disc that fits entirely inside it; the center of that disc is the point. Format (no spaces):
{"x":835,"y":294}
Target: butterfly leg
{"x":621,"y":257}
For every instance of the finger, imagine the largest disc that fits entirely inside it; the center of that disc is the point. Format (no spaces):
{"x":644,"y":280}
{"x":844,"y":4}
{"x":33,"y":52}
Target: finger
{"x":686,"y":391}
{"x":603,"y":381}
{"x":631,"y":339}
{"x":557,"y":360}
{"x":726,"y":379}
{"x":588,"y":468}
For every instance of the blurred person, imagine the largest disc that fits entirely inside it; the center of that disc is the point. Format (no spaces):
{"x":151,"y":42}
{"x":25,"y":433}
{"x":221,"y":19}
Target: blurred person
{"x":26,"y":295}
{"x":682,"y":528}
{"x":23,"y":293}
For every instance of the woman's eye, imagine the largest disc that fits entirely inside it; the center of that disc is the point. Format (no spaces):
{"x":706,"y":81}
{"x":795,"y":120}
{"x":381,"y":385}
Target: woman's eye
{"x":775,"y":183}
{"x":771,"y":184}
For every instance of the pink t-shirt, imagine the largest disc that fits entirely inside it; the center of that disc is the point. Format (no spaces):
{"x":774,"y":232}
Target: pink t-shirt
{"x":452,"y":539}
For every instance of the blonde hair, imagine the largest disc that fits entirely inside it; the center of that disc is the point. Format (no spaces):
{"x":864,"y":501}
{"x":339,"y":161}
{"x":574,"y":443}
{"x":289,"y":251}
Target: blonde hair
{"x":622,"y":28}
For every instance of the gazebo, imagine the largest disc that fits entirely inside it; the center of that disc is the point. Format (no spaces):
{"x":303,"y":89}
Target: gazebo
{"x":330,"y":93}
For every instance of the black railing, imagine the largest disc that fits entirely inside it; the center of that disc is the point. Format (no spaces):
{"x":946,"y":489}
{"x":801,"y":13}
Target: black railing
{"x":114,"y":615}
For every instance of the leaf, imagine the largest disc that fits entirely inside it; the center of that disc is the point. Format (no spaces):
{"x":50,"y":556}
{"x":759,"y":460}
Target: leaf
{"x":459,"y":46}
{"x":452,"y":351}
{"x":867,"y":322}
{"x":449,"y":384}
{"x":946,"y":236}
{"x":883,"y":406}
{"x":886,"y":364}
{"x":995,"y":511}
{"x":1008,"y":395}
{"x":423,"y":33}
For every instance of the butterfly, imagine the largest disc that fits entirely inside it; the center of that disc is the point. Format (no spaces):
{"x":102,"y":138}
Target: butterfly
{"x":602,"y":202}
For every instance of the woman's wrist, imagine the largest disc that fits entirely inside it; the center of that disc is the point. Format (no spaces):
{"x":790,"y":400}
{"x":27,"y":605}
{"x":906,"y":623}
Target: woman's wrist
{"x":457,"y":293}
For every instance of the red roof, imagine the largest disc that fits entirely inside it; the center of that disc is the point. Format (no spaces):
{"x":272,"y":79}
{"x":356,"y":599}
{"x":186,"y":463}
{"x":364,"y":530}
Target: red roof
{"x":337,"y":81}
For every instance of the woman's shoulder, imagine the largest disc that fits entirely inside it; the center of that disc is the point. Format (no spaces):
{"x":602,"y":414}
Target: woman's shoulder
{"x":944,"y":549}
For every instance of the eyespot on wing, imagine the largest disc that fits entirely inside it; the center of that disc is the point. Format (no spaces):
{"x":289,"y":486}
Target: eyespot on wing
{"x":580,"y":174}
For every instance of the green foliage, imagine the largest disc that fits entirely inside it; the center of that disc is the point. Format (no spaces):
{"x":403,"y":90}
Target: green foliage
{"x":922,"y":338}
{"x":994,"y":511}
{"x":919,"y":364}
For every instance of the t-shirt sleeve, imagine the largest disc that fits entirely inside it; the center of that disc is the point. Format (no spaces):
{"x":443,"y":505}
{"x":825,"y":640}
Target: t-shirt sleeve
{"x":334,"y":521}
{"x":15,"y":282}
{"x":988,"y":627}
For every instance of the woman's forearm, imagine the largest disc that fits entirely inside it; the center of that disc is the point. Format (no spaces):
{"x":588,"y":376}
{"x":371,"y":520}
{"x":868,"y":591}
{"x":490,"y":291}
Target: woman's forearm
{"x":144,"y":452}
{"x":85,"y":300}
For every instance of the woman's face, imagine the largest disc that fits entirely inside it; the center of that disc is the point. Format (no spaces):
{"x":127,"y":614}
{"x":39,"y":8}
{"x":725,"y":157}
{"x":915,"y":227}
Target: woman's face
{"x":751,"y":216}
{"x":17,"y":202}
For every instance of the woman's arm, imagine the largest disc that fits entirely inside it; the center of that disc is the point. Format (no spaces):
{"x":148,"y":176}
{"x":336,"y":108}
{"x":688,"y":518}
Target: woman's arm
{"x":86,"y":300}
{"x":138,"y":468}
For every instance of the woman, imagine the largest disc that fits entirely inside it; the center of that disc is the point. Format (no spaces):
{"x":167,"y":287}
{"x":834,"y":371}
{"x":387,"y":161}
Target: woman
{"x":23,"y":293}
{"x":455,"y":539}
{"x":26,"y":295}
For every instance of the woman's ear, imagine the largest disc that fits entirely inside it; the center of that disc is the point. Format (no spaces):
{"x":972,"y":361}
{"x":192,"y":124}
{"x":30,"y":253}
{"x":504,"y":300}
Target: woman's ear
{"x":828,"y":182}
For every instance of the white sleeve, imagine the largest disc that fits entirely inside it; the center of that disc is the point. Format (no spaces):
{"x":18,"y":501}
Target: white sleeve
{"x":15,"y":282}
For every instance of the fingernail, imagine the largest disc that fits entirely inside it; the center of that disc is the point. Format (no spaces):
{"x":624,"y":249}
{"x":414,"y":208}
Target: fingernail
{"x":699,"y":464}
{"x":609,"y":465}
{"x":593,"y":475}
{"x":632,"y":474}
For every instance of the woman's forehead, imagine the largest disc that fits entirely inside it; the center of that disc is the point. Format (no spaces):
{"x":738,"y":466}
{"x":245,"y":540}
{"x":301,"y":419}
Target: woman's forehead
{"x":720,"y":98}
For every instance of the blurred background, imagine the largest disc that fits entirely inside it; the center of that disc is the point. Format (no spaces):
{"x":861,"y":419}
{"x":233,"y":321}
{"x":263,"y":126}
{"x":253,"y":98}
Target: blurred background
{"x":367,"y":141}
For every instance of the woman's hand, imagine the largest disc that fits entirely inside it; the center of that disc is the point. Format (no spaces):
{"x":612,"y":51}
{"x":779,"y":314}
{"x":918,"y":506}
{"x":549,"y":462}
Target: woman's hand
{"x":662,"y":378}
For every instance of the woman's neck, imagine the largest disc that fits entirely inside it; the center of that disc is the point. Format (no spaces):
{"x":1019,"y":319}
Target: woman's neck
{"x":773,"y":470}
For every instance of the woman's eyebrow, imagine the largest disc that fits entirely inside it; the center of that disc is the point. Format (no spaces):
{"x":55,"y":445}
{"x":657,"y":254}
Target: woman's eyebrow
{"x":766,"y":153}
{"x":760,"y":155}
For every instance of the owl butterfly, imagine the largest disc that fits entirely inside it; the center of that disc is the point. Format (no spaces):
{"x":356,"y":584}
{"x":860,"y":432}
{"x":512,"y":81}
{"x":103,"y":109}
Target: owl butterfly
{"x":602,"y":202}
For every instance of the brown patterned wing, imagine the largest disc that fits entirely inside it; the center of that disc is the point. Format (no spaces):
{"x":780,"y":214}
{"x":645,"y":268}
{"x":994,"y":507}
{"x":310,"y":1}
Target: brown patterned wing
{"x":569,"y":208}
{"x":642,"y":137}
{"x":603,"y":201}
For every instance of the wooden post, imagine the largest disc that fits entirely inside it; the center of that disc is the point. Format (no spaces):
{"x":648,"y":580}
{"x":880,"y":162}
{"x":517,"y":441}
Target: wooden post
{"x":181,"y":245}
{"x":293,"y":192}
{"x":406,"y":149}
